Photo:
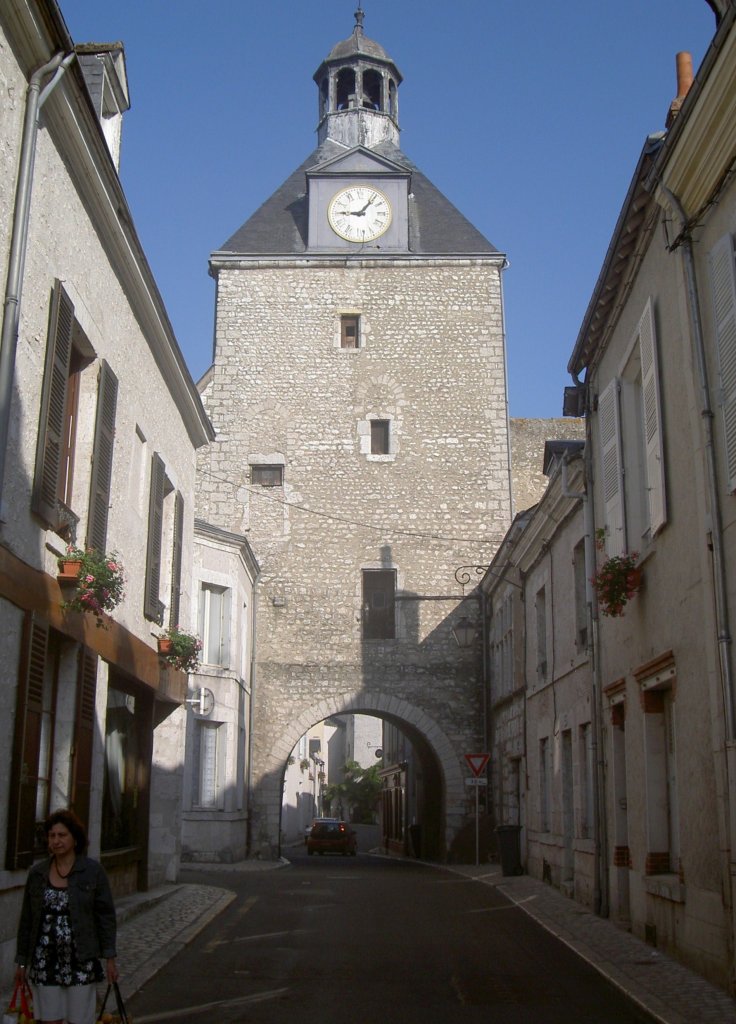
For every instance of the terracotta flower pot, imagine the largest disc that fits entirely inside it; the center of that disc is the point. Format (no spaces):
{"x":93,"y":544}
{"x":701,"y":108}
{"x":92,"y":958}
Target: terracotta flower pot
{"x":69,"y":569}
{"x":165,"y":646}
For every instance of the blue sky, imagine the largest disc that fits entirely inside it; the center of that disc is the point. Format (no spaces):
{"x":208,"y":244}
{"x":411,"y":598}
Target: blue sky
{"x":529,"y":116}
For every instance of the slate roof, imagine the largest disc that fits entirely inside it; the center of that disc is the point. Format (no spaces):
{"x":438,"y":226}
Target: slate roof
{"x":279,"y":226}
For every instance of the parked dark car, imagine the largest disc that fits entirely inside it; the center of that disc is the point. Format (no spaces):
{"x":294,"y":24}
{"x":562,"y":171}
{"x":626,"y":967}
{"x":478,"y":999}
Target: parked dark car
{"x":330,"y":836}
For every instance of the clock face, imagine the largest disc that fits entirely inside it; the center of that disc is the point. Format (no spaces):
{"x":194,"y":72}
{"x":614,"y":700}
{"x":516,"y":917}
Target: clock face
{"x":359,"y":213}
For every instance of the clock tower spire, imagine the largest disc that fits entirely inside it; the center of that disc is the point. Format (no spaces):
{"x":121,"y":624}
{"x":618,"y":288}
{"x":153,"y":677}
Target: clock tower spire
{"x":358,"y":92}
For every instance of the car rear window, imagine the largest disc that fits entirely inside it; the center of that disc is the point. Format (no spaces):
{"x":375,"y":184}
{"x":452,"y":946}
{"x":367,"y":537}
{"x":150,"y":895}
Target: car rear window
{"x":328,"y":828}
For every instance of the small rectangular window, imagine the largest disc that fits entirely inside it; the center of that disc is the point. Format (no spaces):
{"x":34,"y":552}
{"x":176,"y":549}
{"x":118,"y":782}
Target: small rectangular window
{"x":379,"y":593}
{"x":380,"y":435}
{"x":580,"y":588}
{"x":349,"y":331}
{"x":267,"y":476}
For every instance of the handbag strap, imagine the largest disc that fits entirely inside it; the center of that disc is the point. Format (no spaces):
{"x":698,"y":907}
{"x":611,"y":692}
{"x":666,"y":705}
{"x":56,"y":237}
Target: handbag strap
{"x":13,"y":1004}
{"x":122,"y":1012}
{"x":26,"y":1000}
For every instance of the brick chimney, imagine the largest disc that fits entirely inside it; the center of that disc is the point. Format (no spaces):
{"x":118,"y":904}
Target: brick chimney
{"x":684,"y":63}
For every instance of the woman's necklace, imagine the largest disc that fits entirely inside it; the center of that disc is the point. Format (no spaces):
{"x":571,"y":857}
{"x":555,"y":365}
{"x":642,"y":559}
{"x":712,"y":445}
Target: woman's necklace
{"x":58,"y":870}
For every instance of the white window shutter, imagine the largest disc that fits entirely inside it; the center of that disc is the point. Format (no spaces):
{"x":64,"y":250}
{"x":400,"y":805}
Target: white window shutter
{"x":653,"y":438}
{"x":609,"y":431}
{"x":723,"y":284}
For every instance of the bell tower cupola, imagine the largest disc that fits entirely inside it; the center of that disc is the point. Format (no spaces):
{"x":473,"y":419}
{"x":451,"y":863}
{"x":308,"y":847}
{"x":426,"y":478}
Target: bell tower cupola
{"x":358,"y":87}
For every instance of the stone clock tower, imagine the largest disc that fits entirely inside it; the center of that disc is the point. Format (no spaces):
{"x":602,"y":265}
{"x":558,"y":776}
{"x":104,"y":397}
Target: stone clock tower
{"x":358,"y":392}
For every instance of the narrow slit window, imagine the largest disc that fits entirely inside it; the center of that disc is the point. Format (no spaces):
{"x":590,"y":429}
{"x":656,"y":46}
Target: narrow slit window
{"x":350,"y":331}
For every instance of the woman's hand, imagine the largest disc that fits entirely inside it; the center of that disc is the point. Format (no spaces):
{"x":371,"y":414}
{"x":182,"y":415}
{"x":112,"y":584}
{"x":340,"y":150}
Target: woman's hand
{"x":112,"y":971}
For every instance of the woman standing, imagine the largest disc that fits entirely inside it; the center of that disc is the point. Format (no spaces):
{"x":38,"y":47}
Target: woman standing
{"x":67,"y":923}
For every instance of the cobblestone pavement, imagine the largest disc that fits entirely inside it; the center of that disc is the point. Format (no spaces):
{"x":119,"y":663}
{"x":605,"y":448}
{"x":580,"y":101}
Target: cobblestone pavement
{"x":155,"y":926}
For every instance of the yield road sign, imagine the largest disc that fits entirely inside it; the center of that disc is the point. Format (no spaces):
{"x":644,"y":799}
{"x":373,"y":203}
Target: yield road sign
{"x":477,"y":763}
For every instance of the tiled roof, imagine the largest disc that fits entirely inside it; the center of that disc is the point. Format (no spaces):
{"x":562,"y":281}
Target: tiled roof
{"x":279,"y":226}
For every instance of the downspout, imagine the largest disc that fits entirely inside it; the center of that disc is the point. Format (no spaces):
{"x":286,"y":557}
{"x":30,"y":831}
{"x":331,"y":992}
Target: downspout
{"x":251,"y":710}
{"x":35,"y":99}
{"x":719,"y":561}
{"x":600,"y":860}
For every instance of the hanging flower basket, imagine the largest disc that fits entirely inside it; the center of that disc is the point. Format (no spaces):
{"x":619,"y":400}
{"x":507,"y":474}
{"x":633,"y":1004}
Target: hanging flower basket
{"x":179,"y":649}
{"x":616,"y":582}
{"x":99,"y":580}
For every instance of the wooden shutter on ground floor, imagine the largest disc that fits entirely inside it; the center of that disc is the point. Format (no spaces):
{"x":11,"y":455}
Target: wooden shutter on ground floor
{"x":26,"y":744}
{"x":50,"y":443}
{"x":84,"y":734}
{"x":99,"y":490}
{"x":152,"y":605}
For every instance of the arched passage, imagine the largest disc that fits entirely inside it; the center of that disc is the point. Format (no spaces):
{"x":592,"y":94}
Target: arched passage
{"x":443,"y":817}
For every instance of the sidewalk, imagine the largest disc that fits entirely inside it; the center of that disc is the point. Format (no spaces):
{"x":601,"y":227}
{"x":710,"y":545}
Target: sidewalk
{"x":155,"y":926}
{"x":666,"y":989}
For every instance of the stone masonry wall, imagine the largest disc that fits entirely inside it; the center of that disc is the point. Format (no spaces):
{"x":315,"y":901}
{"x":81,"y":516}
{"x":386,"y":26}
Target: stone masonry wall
{"x":283,"y":392}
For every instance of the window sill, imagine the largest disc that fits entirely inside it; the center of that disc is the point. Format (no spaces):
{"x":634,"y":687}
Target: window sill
{"x":381,"y":458}
{"x":666,"y":887}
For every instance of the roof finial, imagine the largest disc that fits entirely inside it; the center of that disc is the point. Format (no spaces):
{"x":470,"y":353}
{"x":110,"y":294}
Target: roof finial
{"x":359,"y":15}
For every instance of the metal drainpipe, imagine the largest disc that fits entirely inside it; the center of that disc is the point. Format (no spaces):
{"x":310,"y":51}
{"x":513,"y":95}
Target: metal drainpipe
{"x":719,"y":561}
{"x":600,"y":876}
{"x":35,"y":99}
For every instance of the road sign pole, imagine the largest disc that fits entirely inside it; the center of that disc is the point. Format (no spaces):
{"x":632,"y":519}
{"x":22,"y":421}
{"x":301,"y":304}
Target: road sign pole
{"x":477,"y":826}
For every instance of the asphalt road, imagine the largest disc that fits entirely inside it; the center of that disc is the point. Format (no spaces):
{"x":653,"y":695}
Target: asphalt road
{"x":365,"y":940}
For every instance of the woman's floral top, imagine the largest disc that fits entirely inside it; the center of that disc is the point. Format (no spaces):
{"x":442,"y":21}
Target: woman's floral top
{"x":55,"y":958}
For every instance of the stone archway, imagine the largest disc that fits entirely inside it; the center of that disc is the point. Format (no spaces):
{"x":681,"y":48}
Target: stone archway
{"x":428,"y":736}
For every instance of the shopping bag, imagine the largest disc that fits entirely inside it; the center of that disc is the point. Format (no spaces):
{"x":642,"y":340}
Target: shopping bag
{"x":20,"y":1007}
{"x":117,"y":1014}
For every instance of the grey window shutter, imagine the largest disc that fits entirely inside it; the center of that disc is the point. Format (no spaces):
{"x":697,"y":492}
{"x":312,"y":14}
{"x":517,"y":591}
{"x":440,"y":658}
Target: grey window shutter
{"x":100,"y":484}
{"x":609,"y":434}
{"x":44,"y":501}
{"x":653,"y":433}
{"x":176,"y":560}
{"x":26,"y":744}
{"x":723,"y":287}
{"x":152,"y":605}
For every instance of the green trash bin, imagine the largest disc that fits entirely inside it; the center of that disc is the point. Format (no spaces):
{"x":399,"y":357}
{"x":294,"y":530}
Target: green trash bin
{"x":508,"y":849}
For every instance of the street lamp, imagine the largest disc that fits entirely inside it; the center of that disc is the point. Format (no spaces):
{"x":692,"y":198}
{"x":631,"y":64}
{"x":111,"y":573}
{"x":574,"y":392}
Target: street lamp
{"x":465,"y":633}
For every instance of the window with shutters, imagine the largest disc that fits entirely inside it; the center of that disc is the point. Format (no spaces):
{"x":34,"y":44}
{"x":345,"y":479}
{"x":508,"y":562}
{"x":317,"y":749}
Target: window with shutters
{"x":722,"y":265}
{"x":631,"y":445}
{"x":214,"y":624}
{"x":68,"y":353}
{"x":540,"y":613}
{"x":580,"y":584}
{"x":165,"y":526}
{"x":35,"y":759}
{"x":379,"y":604}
